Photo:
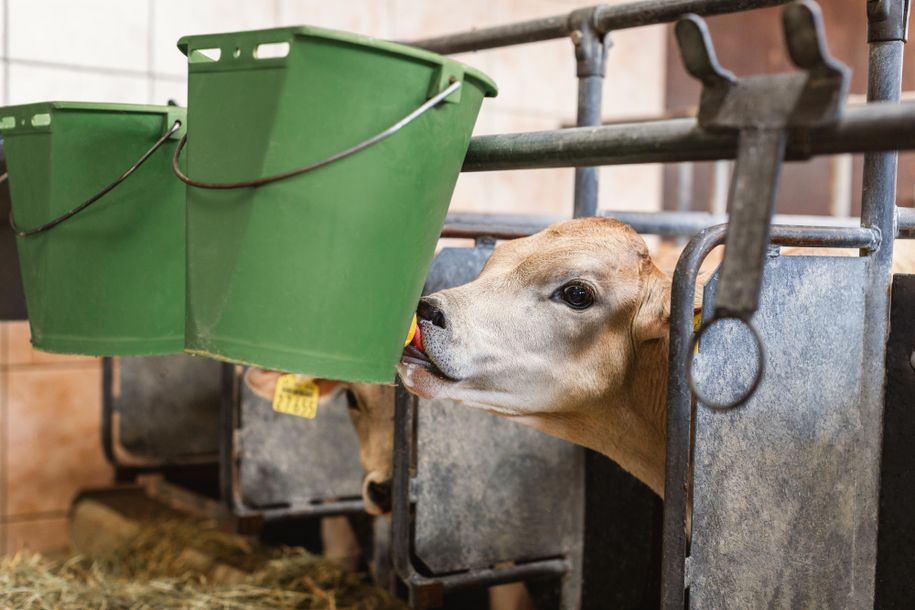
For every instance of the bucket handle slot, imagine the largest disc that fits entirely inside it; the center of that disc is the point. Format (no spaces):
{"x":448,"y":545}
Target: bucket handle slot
{"x":415,"y":114}
{"x":73,"y":212}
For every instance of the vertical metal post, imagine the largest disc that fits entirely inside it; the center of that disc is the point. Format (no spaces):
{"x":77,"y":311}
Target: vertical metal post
{"x":887,"y":25}
{"x":590,"y":55}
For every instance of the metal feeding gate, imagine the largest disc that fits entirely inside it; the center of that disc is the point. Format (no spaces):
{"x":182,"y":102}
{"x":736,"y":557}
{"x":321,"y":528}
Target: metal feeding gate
{"x":472,"y":490}
{"x":787,"y":452}
{"x":280,"y":466}
{"x":166,"y":408}
{"x":777,"y":482}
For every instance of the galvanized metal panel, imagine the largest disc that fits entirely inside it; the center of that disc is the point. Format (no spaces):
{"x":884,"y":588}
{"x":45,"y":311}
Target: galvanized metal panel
{"x":488,"y":489}
{"x":168,"y":406}
{"x":781,"y":483}
{"x":292,"y":461}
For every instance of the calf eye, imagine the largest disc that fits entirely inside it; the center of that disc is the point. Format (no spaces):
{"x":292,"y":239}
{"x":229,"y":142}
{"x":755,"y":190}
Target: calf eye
{"x":576,"y":295}
{"x":351,"y":401}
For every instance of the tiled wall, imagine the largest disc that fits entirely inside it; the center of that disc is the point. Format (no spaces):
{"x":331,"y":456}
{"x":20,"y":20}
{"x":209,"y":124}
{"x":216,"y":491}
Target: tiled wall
{"x":49,"y":419}
{"x":124,"y":51}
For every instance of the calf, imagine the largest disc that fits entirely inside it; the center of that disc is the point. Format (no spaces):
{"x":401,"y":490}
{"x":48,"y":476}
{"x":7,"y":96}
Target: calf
{"x":565,"y":331}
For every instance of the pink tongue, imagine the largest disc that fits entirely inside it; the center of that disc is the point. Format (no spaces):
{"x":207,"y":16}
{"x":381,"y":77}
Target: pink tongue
{"x":417,"y":341}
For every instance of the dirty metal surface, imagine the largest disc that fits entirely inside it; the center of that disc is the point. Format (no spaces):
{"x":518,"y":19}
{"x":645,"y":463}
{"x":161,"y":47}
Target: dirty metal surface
{"x":292,"y":461}
{"x":168,"y":406}
{"x":488,"y":489}
{"x":781,"y":483}
{"x":895,"y":587}
{"x":12,"y":299}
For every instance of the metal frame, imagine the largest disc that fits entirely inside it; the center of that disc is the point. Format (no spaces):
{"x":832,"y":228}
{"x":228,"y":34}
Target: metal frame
{"x":128,"y":472}
{"x":228,"y":475}
{"x":425,"y":590}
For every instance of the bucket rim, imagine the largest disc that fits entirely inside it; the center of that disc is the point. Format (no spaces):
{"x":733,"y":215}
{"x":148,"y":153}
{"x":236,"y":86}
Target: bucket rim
{"x":95,"y":106}
{"x":487,"y":84}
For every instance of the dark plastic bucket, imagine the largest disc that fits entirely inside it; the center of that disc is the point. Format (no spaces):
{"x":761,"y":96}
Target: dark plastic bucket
{"x":110,"y":279}
{"x":318,"y":273}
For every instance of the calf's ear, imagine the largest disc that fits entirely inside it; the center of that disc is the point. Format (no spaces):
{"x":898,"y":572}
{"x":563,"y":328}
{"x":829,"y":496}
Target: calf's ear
{"x":652,"y":320}
{"x":263,"y":383}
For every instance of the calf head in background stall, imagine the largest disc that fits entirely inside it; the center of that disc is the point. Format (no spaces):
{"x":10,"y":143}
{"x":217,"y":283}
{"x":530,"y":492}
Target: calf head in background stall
{"x":371,"y":408}
{"x":565,"y":331}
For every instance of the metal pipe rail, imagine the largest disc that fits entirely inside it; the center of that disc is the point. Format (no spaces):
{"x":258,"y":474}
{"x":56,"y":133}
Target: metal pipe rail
{"x":664,"y":224}
{"x":867,"y":128}
{"x":604,"y":19}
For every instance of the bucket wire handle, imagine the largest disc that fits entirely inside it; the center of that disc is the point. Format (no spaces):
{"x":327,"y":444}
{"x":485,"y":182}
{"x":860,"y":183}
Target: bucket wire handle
{"x":427,"y":105}
{"x":53,"y":223}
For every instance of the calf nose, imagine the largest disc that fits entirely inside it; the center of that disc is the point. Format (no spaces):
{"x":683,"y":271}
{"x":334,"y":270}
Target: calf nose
{"x":379,"y":493}
{"x":428,"y":310}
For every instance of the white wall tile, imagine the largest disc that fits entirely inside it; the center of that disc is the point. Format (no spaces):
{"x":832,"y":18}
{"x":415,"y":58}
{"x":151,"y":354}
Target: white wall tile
{"x":370,"y":17}
{"x":94,"y":33}
{"x":30,"y":83}
{"x":3,"y":38}
{"x":165,"y":89}
{"x":173,"y":19}
{"x":4,"y":92}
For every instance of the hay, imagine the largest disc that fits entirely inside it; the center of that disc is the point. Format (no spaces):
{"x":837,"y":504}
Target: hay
{"x":186,"y":565}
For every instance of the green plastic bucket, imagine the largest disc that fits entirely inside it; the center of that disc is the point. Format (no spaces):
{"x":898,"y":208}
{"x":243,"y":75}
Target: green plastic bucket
{"x":108,"y":280}
{"x":319,"y":273}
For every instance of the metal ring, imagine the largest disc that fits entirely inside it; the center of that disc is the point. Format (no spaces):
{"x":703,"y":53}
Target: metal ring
{"x":427,"y":105}
{"x":53,"y":223}
{"x":760,"y":370}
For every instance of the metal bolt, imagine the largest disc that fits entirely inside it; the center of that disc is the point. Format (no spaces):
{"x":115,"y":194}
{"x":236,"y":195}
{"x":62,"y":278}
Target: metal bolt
{"x":577,"y":36}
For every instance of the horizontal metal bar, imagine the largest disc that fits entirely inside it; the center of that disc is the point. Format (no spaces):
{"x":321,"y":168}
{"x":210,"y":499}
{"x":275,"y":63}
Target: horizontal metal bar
{"x":665,"y":224}
{"x":488,"y":577}
{"x":324,"y":509}
{"x":905,"y":223}
{"x":867,"y":128}
{"x":650,"y":12}
{"x":605,"y":19}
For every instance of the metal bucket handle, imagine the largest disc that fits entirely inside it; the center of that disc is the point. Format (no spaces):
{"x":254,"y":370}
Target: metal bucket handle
{"x":130,"y":170}
{"x":760,"y":370}
{"x":415,"y":114}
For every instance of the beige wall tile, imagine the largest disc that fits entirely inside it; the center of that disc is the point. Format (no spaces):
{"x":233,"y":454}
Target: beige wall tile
{"x":33,"y":83}
{"x":53,"y":449}
{"x":173,"y":19}
{"x":631,"y":188}
{"x":18,"y":349}
{"x":97,"y":33}
{"x":40,"y":536}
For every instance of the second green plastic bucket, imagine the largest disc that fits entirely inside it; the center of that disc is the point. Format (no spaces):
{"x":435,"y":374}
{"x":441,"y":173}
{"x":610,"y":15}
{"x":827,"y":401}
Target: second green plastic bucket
{"x":319,"y":273}
{"x":110,"y":279}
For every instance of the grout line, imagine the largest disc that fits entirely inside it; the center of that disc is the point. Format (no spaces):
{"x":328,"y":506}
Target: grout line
{"x":39,"y":63}
{"x":38,"y":516}
{"x":76,"y":364}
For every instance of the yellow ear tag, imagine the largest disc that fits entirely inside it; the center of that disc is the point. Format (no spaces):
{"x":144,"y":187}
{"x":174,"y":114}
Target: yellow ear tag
{"x":296,"y":395}
{"x":412,"y":332}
